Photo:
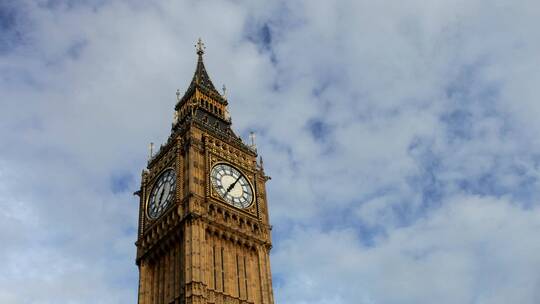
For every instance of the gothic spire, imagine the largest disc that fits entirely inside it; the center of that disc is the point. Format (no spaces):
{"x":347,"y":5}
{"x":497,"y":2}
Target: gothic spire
{"x":201,"y":77}
{"x":201,"y":80}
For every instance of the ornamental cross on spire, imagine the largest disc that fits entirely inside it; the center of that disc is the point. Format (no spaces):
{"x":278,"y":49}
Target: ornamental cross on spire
{"x":200,"y":47}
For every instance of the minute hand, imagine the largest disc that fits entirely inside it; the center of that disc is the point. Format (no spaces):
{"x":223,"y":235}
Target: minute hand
{"x":232,"y":185}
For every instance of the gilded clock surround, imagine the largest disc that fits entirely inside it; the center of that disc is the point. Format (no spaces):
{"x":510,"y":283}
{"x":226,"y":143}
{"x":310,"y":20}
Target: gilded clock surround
{"x":201,"y":249}
{"x":241,"y":171}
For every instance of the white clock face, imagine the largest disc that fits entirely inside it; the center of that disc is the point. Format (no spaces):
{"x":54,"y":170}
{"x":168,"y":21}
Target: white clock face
{"x":231,"y":185}
{"x":162,"y":194}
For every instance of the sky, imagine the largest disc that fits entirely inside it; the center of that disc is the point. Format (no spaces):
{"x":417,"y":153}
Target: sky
{"x":401,"y":138}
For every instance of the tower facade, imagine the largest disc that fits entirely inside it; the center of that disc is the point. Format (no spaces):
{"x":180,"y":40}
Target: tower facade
{"x":204,"y":233}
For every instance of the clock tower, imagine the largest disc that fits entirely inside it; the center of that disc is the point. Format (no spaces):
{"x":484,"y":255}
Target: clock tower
{"x":204,"y":233}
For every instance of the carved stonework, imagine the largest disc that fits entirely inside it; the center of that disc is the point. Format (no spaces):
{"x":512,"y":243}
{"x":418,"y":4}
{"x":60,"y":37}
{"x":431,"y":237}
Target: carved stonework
{"x":200,"y":248}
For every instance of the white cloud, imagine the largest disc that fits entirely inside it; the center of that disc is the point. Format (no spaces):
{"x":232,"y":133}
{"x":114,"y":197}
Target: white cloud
{"x":472,"y":250}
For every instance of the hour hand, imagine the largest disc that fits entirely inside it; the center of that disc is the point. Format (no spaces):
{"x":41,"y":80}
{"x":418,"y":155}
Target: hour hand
{"x":160,"y":195}
{"x":232,"y":185}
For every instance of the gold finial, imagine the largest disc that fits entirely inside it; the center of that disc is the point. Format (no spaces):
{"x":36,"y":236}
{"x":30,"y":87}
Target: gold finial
{"x":200,"y":47}
{"x":151,"y":151}
{"x":224,"y":92}
{"x":252,"y":140}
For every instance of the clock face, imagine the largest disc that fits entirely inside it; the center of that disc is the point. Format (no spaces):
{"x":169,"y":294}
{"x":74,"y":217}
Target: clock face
{"x":162,"y":194}
{"x":231,"y":185}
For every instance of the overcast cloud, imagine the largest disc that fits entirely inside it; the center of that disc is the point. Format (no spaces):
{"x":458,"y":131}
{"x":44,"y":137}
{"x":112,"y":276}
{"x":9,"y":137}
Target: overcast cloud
{"x":401,"y":137}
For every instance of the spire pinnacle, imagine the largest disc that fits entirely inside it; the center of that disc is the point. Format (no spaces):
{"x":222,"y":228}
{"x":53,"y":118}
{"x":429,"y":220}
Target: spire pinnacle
{"x":201,"y":80}
{"x":224,"y":89}
{"x":200,"y":47}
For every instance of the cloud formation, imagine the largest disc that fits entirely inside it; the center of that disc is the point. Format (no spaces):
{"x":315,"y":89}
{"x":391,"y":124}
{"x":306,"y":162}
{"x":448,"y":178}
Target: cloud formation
{"x":401,"y":140}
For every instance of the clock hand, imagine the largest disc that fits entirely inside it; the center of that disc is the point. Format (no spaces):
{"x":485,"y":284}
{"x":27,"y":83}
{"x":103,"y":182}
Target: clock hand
{"x":232,"y":185}
{"x":161,"y":192}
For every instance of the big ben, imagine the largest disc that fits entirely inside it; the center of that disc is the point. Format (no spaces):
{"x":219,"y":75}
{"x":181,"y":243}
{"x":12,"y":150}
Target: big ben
{"x":204,"y":232}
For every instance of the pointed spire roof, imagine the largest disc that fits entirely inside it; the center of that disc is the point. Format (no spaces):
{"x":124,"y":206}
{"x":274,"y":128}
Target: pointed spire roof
{"x":201,"y":80}
{"x":201,"y":76}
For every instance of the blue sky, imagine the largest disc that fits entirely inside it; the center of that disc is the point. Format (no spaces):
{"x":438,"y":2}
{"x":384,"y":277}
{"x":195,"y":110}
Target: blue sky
{"x":401,"y":138}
